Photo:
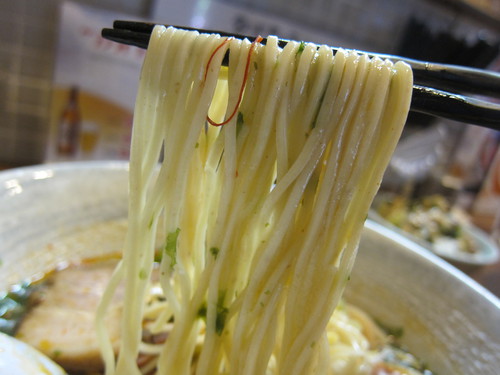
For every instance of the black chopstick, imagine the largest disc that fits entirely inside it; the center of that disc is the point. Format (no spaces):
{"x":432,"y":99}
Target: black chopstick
{"x":428,"y":100}
{"x":455,"y":107}
{"x":439,"y":76}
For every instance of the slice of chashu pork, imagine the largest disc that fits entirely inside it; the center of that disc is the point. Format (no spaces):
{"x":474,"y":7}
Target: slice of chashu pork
{"x":62,"y":325}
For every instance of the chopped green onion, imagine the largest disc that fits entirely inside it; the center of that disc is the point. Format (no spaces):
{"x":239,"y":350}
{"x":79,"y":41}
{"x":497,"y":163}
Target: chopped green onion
{"x":214,"y":251}
{"x":171,"y":246}
{"x":239,"y":123}
{"x":220,"y":319}
{"x":202,"y":311}
{"x":301,"y":48}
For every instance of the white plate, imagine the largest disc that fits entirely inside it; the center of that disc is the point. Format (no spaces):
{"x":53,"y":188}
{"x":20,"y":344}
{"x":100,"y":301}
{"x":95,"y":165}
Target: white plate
{"x":449,"y":320}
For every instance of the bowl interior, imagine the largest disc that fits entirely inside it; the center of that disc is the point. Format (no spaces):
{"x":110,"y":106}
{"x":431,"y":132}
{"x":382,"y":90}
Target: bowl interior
{"x":449,"y":320}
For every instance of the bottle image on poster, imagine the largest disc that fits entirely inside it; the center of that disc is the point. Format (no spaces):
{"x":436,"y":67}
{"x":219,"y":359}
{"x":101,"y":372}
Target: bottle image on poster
{"x":69,"y":126}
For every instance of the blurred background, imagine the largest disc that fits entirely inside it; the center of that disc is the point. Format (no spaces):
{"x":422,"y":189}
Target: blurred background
{"x":67,"y":94}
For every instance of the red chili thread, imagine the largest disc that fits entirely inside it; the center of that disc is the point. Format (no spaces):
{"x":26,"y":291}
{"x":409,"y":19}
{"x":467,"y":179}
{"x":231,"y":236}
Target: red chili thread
{"x":245,"y":78}
{"x":213,"y":55}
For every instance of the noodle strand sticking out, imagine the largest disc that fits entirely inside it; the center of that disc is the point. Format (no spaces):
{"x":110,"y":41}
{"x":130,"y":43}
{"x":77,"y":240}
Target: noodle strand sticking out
{"x":261,"y":216}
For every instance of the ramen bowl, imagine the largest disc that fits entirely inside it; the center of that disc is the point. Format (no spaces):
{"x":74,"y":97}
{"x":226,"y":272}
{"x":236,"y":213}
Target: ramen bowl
{"x":448,"y":320}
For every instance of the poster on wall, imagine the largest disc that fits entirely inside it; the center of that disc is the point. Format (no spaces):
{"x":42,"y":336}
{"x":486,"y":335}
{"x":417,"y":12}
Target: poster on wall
{"x":95,"y":84}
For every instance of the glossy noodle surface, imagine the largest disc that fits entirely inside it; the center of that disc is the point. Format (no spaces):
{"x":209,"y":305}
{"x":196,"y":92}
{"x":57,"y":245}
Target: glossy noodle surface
{"x":261,"y":215}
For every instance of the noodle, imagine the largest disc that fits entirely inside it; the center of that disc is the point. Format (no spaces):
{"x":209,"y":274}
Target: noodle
{"x":261,"y":216}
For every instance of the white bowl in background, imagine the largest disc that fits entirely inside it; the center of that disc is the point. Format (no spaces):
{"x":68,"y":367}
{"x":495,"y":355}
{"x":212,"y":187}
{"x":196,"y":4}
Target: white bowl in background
{"x":485,"y":250}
